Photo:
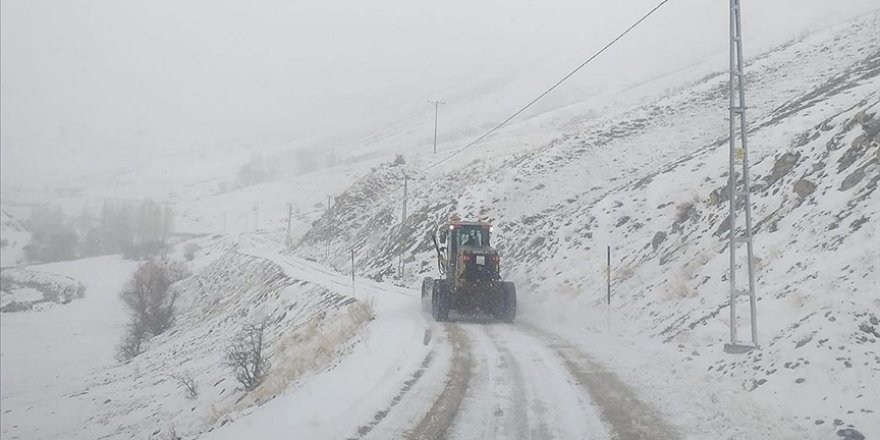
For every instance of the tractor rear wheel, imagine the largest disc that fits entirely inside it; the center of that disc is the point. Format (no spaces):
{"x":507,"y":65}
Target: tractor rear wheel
{"x":508,"y":302}
{"x":440,"y":308}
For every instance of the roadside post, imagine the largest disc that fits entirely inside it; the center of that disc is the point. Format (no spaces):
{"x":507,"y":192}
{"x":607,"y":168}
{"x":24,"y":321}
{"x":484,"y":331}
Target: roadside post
{"x":608,"y":296}
{"x":352,"y":273}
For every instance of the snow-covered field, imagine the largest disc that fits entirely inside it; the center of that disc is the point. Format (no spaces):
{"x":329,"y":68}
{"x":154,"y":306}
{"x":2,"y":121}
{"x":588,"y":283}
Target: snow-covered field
{"x":50,"y":355}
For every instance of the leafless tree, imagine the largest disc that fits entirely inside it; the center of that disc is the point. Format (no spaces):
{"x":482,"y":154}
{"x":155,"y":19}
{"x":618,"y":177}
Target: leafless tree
{"x":149,"y":295}
{"x":246,"y":355}
{"x":132,"y":343}
{"x":150,"y":300}
{"x":189,"y":384}
{"x":170,"y":434}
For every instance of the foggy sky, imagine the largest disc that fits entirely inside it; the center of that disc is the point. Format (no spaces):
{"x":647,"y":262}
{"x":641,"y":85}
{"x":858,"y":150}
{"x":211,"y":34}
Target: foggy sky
{"x":80,"y":80}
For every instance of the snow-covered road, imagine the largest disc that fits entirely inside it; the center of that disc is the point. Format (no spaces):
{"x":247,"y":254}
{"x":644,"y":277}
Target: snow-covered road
{"x":409,"y":377}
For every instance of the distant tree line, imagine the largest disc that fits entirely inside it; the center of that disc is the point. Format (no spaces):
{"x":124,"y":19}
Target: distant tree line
{"x":137,"y":230}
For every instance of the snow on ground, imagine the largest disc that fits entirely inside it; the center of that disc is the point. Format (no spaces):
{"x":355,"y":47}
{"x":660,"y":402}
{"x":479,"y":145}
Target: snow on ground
{"x":335,"y":403}
{"x":650,"y":182}
{"x":24,"y":289}
{"x":60,"y":378}
{"x":48,"y":355}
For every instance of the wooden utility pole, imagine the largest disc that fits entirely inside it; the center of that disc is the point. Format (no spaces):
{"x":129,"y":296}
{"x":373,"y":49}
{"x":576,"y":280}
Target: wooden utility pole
{"x":437,"y":105}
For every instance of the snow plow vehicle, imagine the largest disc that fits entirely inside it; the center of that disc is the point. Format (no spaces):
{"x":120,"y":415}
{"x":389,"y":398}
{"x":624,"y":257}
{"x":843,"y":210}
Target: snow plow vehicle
{"x":470,"y":271}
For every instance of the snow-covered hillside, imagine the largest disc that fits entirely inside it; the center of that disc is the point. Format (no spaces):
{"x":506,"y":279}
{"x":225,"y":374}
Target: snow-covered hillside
{"x":650,"y":182}
{"x":101,"y":398}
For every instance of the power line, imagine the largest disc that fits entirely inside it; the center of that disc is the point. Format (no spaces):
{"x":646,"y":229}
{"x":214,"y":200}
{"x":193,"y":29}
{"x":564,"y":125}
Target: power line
{"x":566,"y":77}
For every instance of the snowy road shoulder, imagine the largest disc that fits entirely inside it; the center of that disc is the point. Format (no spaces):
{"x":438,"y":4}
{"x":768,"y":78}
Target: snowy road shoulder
{"x":392,"y":355}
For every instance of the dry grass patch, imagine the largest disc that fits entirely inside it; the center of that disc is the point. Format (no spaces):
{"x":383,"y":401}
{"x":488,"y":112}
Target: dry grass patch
{"x":313,"y":347}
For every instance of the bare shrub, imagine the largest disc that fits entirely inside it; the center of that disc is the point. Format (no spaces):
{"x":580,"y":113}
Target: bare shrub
{"x":399,"y":159}
{"x":150,"y":300}
{"x":165,"y":434}
{"x":246,"y":355}
{"x":149,"y":296}
{"x":185,"y":380}
{"x":313,"y":345}
{"x":132,"y":343}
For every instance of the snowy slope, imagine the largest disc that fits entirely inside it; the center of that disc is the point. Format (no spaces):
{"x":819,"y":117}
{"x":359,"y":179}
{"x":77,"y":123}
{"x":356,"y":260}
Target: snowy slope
{"x":649,"y":182}
{"x":80,"y":391}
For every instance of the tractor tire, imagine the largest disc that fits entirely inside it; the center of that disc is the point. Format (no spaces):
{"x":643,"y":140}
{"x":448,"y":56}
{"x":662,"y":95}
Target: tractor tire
{"x":508,"y":302}
{"x":440,"y":303}
{"x":427,"y":293}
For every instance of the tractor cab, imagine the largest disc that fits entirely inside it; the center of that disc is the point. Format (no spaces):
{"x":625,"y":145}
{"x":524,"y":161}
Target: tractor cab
{"x":458,"y":240}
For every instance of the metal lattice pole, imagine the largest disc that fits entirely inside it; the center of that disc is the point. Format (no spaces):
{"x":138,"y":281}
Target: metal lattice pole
{"x":739,"y":195}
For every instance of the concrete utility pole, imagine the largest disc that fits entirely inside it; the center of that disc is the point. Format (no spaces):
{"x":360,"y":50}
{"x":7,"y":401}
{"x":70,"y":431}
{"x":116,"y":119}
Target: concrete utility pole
{"x":400,"y":264}
{"x":256,"y":217}
{"x":739,"y":196}
{"x":608,"y":278}
{"x":329,"y":202}
{"x":352,"y":273}
{"x":437,"y":105}
{"x":289,"y":219}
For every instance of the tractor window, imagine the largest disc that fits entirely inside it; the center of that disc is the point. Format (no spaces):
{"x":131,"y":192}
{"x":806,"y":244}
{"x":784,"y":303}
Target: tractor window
{"x":473,"y":236}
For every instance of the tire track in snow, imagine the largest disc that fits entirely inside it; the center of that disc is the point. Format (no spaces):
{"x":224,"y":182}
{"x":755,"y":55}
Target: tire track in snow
{"x":407,"y":386}
{"x":555,"y":406}
{"x":521,"y":422}
{"x":488,"y":402}
{"x":621,"y":408}
{"x":438,"y":420}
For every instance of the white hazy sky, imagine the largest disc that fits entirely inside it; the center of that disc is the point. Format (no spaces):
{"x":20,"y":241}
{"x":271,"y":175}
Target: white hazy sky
{"x":80,"y":78}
